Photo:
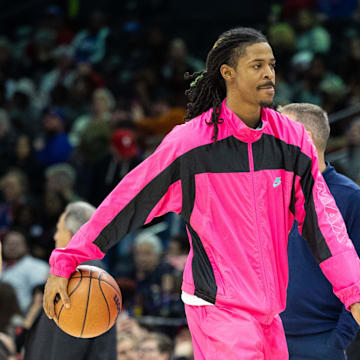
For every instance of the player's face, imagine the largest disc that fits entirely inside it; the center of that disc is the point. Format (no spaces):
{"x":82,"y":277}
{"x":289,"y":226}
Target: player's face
{"x":254,"y":77}
{"x":62,"y":235}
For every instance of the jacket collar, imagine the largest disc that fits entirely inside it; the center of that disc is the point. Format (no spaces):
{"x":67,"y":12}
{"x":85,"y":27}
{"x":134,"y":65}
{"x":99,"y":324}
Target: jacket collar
{"x":236,"y":127}
{"x":329,"y":170}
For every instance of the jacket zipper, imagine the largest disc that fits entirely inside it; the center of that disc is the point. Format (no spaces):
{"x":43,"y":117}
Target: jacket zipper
{"x":267,"y":289}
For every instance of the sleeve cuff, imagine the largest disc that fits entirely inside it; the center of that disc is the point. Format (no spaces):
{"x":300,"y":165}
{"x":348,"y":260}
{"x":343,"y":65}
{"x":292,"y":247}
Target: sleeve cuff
{"x":349,"y":295}
{"x":66,"y":273}
{"x":60,"y":267}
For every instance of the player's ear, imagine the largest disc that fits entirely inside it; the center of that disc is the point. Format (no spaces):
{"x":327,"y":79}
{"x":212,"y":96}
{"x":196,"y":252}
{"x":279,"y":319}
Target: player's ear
{"x":227,"y":72}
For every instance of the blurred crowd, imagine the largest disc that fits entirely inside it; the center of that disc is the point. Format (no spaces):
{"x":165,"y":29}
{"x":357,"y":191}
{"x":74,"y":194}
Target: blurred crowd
{"x":82,"y":104}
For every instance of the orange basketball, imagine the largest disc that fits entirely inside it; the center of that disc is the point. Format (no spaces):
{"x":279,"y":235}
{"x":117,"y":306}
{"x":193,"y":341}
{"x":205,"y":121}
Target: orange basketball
{"x":95,"y":303}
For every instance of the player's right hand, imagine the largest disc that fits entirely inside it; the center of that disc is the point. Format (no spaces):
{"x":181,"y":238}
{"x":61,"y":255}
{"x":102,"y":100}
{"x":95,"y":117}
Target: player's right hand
{"x":55,"y":286}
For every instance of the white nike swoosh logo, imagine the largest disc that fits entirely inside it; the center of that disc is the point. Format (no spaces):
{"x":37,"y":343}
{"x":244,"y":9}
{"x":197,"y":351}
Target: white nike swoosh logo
{"x":277,"y":182}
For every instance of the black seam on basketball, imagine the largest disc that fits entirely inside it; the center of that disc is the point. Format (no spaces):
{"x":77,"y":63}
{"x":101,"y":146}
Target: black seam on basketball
{"x":60,"y":313}
{"x":87,"y":304}
{"x":85,"y":277}
{"x":73,"y":290}
{"x":107,"y":304}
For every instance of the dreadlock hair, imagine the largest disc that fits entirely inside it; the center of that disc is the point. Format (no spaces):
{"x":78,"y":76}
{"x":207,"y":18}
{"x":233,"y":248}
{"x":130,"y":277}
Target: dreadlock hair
{"x":208,"y":89}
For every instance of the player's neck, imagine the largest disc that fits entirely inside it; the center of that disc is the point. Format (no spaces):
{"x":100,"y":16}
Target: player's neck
{"x":248,"y":113}
{"x":322,"y":163}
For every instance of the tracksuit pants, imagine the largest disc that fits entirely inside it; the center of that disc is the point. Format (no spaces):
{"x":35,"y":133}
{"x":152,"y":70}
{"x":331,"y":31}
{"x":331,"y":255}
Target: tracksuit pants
{"x":222,"y":333}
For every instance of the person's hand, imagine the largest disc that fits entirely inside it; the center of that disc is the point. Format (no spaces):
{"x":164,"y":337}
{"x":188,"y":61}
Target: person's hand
{"x":55,"y":286}
{"x":355,"y":311}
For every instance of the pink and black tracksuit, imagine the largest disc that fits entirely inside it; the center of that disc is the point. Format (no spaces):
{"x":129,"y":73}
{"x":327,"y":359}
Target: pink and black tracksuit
{"x":239,"y":197}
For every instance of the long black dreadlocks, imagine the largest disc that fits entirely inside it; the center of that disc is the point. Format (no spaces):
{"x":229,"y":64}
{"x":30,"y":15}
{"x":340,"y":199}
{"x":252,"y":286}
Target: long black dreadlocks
{"x":207,"y":89}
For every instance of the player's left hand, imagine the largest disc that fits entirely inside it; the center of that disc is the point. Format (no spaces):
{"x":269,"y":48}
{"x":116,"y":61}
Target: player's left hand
{"x":355,"y":311}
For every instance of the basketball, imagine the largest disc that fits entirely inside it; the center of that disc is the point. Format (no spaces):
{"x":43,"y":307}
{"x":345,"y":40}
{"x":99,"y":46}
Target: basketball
{"x":95,"y":303}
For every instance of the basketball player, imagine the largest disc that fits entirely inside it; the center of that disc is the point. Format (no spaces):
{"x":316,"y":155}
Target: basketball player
{"x":317,"y":326}
{"x":238,"y":173}
{"x":45,"y":340}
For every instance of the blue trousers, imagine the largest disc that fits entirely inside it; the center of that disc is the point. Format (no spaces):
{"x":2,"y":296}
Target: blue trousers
{"x":321,"y":346}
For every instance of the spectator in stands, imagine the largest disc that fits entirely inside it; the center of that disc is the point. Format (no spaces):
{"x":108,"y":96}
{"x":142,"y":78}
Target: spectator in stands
{"x":8,"y":68}
{"x":177,"y":63}
{"x":122,"y":156}
{"x":80,"y":95}
{"x":103,"y":104}
{"x":26,"y":218}
{"x":20,"y":269}
{"x":334,"y":94}
{"x":59,"y":97}
{"x":7,"y":140}
{"x":21,"y":39}
{"x":45,"y":340}
{"x":312,"y":36}
{"x":54,"y":147}
{"x":54,"y":19}
{"x":126,"y":345}
{"x":14,"y":189}
{"x":23,"y":110}
{"x":61,"y":178}
{"x":282,"y":37}
{"x":52,"y":204}
{"x":162,"y":119}
{"x":39,"y":51}
{"x":177,"y":252}
{"x":129,"y":326}
{"x":155,"y":346}
{"x":62,"y":74}
{"x":24,"y":159}
{"x":318,"y":80}
{"x":11,"y":316}
{"x":90,"y":45}
{"x":93,"y":148}
{"x":156,"y":290}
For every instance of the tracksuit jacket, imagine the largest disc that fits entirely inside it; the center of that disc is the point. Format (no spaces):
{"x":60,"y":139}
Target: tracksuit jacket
{"x":238,"y":196}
